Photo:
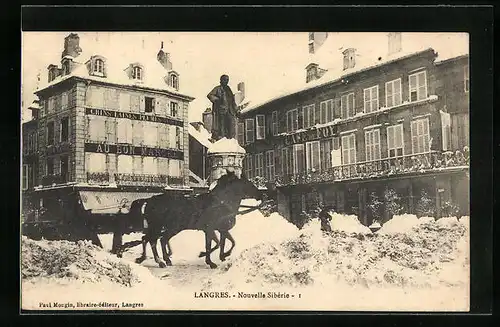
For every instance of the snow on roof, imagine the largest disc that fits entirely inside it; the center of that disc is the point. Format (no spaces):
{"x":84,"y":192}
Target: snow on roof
{"x":371,"y":52}
{"x":201,"y":136}
{"x":226,"y":145}
{"x":117,"y":61}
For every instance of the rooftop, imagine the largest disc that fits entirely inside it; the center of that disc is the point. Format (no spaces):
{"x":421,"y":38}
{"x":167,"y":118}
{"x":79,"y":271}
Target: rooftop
{"x":117,"y":61}
{"x":371,"y":52}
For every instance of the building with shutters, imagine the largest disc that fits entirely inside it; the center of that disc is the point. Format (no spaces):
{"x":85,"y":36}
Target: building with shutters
{"x":110,"y":128}
{"x":383,"y":126}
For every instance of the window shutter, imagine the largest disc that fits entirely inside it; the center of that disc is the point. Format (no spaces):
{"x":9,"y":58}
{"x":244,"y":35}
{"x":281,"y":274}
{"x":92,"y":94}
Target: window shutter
{"x":134,"y":103}
{"x":344,"y":106}
{"x":142,"y":104}
{"x":249,"y":130}
{"x":241,"y":133}
{"x":282,"y":123}
{"x":323,"y":112}
{"x":337,"y":109}
{"x":317,"y":114}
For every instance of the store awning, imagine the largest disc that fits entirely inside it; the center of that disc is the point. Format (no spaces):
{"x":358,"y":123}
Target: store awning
{"x":100,"y":202}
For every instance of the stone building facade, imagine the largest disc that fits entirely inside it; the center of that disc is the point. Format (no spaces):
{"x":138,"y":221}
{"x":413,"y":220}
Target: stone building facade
{"x":367,"y":137}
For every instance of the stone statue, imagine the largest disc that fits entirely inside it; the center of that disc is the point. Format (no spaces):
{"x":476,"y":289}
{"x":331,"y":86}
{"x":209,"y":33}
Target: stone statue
{"x":224,"y":110}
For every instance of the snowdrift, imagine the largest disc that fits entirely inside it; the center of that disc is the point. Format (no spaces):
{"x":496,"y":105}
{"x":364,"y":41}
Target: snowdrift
{"x":81,"y":261}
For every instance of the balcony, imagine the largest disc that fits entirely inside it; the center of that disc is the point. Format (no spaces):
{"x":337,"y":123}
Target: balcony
{"x":147,"y":180}
{"x":414,"y":163}
{"x":97,"y":178}
{"x":48,"y":180}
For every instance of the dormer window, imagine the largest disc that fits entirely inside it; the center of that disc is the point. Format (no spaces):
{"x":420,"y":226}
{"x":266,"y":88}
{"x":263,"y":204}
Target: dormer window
{"x":137,"y":73}
{"x":99,"y":66}
{"x":173,"y":80}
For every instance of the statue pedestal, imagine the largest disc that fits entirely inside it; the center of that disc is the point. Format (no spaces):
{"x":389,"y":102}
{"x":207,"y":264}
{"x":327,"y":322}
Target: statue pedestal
{"x":225,"y":155}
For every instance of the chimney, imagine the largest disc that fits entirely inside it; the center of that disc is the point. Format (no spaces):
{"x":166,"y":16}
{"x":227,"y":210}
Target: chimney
{"x":394,"y":40}
{"x":164,"y":58}
{"x":207,"y":119}
{"x":349,"y":58}
{"x":241,"y":88}
{"x":71,"y":46}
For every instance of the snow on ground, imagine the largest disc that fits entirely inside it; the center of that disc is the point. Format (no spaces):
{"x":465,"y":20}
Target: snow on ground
{"x":414,"y":264}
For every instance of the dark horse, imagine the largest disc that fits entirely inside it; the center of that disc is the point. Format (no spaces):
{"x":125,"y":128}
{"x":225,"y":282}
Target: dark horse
{"x":167,"y":215}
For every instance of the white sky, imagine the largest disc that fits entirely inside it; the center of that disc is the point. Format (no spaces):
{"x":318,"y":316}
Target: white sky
{"x":261,"y":60}
{"x":268,"y":62}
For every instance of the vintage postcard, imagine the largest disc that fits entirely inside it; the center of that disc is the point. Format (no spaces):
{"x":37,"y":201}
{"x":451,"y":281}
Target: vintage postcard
{"x":245,"y":171}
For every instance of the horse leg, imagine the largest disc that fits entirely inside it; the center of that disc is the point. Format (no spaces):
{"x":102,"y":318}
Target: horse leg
{"x":209,"y":235}
{"x":233,"y":243}
{"x":153,"y":241}
{"x":144,"y":242}
{"x":222,"y":245}
{"x":216,"y":240}
{"x":165,"y":243}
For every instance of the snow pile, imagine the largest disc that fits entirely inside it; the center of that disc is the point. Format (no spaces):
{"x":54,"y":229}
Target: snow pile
{"x":348,"y":224}
{"x":69,"y":260}
{"x":415,"y":257}
{"x":402,"y":224}
{"x":226,"y":145}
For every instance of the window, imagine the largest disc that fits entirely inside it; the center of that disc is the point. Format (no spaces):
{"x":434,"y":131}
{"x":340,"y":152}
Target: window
{"x":137,"y":132}
{"x":336,"y":152}
{"x":393,"y":93}
{"x":96,"y":162}
{"x":347,"y":105}
{"x":349,"y":149}
{"x":270,"y":170}
{"x":50,"y":133}
{"x":150,"y":166}
{"x":249,"y":130}
{"x":418,"y":86}
{"x":420,"y":135}
{"x":466,"y":78}
{"x":124,"y":101}
{"x":292,"y":120}
{"x":172,"y":136}
{"x":178,"y":137}
{"x":25,"y":177}
{"x":49,"y":166}
{"x":64,"y":161}
{"x":371,"y":99}
{"x":99,"y":66}
{"x":51,"y":105}
{"x":446,"y":131}
{"x":174,"y":109}
{"x":309,"y":115}
{"x":125,"y":164}
{"x":137,"y":73}
{"x":395,"y":140}
{"x":261,"y":127}
{"x":325,"y":155}
{"x":298,"y":158}
{"x":259,"y":164}
{"x":241,"y":133}
{"x":327,"y":111}
{"x":174,"y":80}
{"x":64,"y":130}
{"x":150,"y":134}
{"x":163,"y":139}
{"x":372,"y":143}
{"x":137,"y":165}
{"x":149,"y":104}
{"x":275,"y":123}
{"x":249,"y":166}
{"x":175,"y":169}
{"x":312,"y":155}
{"x":286,"y":160}
{"x":64,"y":100}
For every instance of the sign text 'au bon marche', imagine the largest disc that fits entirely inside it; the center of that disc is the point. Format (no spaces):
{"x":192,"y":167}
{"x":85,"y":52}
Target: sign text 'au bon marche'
{"x":129,"y":149}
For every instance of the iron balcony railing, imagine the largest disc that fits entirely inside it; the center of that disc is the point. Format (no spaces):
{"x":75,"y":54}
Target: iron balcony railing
{"x":413,"y":163}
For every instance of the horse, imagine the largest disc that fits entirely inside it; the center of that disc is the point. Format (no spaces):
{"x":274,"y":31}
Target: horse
{"x":167,"y":215}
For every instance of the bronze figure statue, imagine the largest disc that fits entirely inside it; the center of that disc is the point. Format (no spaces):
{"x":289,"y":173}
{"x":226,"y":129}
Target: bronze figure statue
{"x":224,"y":110}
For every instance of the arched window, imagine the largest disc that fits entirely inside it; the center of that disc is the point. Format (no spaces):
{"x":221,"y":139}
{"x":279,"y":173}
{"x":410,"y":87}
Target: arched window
{"x":137,"y":73}
{"x":99,"y":66}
